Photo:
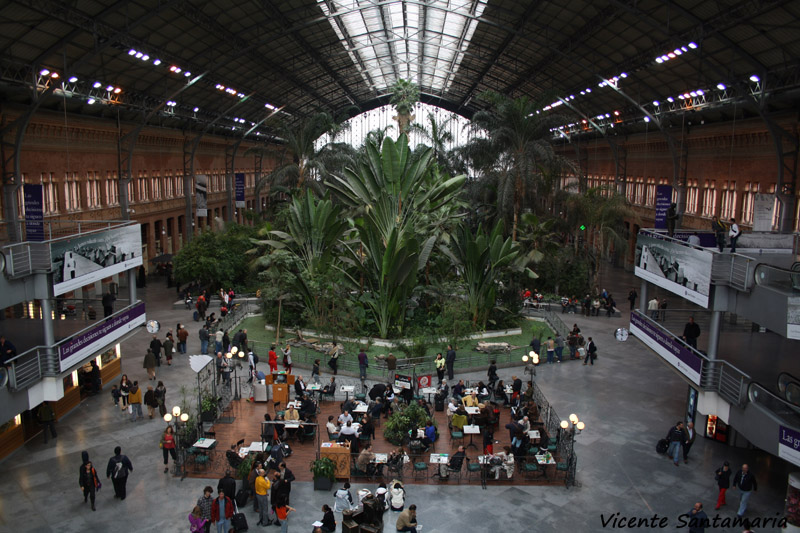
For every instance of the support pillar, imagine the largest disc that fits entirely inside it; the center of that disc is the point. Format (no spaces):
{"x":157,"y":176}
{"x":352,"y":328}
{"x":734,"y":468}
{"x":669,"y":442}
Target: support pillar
{"x":643,"y":298}
{"x":713,"y":334}
{"x":131,"y":285}
{"x":47,"y":323}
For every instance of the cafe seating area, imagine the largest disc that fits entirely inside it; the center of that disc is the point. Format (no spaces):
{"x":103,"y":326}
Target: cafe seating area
{"x":539,"y":464}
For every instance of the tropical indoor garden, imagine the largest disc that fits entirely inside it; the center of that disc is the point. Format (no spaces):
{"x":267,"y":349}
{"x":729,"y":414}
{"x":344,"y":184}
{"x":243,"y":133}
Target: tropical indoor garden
{"x":428,"y":228}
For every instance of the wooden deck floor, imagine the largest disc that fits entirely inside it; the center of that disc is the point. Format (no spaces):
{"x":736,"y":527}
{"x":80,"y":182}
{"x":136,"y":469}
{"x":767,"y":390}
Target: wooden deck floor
{"x":246,"y":425}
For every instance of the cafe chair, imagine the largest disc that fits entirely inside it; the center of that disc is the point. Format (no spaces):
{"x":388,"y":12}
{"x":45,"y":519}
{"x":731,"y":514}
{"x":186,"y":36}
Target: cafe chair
{"x":201,"y":460}
{"x":552,"y":445}
{"x":309,"y":432}
{"x":473,"y":469}
{"x":420,"y":470}
{"x":239,"y":443}
{"x":530,"y":470}
{"x":562,"y":467}
{"x":360,"y":397}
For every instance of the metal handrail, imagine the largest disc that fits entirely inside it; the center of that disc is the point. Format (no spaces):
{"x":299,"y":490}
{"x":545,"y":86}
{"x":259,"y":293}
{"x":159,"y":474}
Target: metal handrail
{"x":785,"y":279}
{"x":786,"y":412}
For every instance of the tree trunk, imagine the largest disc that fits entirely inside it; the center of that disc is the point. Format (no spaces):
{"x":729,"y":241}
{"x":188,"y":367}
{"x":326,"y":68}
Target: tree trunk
{"x":278,"y":327}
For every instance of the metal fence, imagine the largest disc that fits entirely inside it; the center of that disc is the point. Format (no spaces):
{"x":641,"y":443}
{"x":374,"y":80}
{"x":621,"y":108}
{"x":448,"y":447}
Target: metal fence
{"x":565,"y":448}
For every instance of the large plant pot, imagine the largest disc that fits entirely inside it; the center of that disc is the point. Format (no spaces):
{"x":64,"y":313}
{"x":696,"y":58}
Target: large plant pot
{"x":208,"y":416}
{"x":323,"y":483}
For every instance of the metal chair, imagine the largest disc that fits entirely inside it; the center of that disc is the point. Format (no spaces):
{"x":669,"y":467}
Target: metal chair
{"x":530,"y":470}
{"x":473,"y":469}
{"x":420,"y":470}
{"x":562,"y":467}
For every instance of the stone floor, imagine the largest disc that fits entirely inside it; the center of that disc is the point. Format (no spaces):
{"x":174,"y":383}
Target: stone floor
{"x":628,"y":400}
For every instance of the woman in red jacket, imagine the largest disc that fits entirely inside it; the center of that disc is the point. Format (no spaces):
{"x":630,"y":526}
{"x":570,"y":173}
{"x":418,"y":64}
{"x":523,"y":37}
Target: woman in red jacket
{"x":168,"y":446}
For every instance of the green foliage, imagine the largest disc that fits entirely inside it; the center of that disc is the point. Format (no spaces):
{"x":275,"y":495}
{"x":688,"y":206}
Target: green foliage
{"x":405,"y":94}
{"x":565,"y":273}
{"x":216,"y":259}
{"x":396,"y":428}
{"x":244,"y":467}
{"x":323,"y":468}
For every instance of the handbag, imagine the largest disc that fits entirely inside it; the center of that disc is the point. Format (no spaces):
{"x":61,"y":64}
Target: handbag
{"x":130,"y":409}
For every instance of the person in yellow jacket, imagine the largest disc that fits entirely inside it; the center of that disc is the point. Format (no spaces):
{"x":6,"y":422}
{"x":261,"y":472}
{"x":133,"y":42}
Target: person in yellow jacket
{"x":262,"y":495}
{"x":135,"y":401}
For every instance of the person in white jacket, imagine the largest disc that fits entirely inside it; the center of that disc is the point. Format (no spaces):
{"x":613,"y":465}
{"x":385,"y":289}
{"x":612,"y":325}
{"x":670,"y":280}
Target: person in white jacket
{"x":397,"y":496}
{"x":344,"y":499}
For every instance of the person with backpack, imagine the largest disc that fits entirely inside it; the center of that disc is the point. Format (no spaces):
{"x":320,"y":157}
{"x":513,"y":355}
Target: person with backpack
{"x":119,"y":466}
{"x":89,"y":483}
{"x":343,"y":499}
{"x":723,"y":478}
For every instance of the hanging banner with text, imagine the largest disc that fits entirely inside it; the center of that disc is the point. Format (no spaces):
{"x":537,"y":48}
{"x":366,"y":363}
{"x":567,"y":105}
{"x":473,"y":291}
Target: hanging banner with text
{"x":90,"y":341}
{"x":239,"y":188}
{"x":663,"y":199}
{"x":763,"y":211}
{"x":789,"y":445}
{"x":681,"y":269}
{"x":402,"y":382}
{"x":34,"y":212}
{"x":201,"y":195}
{"x":669,"y":347}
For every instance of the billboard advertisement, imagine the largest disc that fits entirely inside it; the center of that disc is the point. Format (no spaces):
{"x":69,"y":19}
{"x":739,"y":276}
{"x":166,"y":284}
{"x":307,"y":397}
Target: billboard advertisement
{"x":789,"y":445}
{"x":669,"y":347}
{"x":680,"y":269}
{"x":201,"y":195}
{"x":793,"y":316}
{"x":34,"y":212}
{"x":105,"y":332}
{"x":239,"y":188}
{"x":663,"y":199}
{"x":84,"y":259}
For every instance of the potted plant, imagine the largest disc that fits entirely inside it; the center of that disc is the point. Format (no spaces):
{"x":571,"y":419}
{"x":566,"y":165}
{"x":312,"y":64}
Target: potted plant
{"x":244,"y":468}
{"x":323,"y":471}
{"x":208,"y":409}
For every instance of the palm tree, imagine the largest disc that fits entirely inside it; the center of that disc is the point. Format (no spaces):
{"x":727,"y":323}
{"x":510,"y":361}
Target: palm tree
{"x":516,"y":145}
{"x":438,"y":136}
{"x":304,"y":164}
{"x":405,"y":94}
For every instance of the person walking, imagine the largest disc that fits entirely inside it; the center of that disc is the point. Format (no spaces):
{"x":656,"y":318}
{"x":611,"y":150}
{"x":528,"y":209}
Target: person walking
{"x":161,"y":398}
{"x":155,"y":347}
{"x":632,"y":296}
{"x":282,"y":512}
{"x":218,"y":336}
{"x":363,"y":363}
{"x":652,"y":308}
{"x":723,"y":479}
{"x":672,"y":218}
{"x":697,"y":519}
{"x":559,"y":346}
{"x":183,"y":335}
{"x":47,"y":418}
{"x":734,"y":233}
{"x":272,"y":359}
{"x":333,"y":362}
{"x":675,"y":436}
{"x":719,"y":232}
{"x":690,"y":434}
{"x":222,"y":512}
{"x":124,"y":390}
{"x":747,"y":484}
{"x":135,"y":400}
{"x":89,"y":483}
{"x":204,"y":336}
{"x":169,"y":348}
{"x":591,"y":352}
{"x":315,"y":371}
{"x":204,"y":503}
{"x":168,"y":445}
{"x":119,"y":466}
{"x":262,"y":497}
{"x":690,"y":332}
{"x":150,"y":401}
{"x":450,"y":361}
{"x":150,"y":364}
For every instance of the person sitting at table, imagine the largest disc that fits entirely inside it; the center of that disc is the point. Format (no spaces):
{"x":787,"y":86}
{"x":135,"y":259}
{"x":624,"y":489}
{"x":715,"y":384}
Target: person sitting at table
{"x":525,"y":424}
{"x":267,"y":430}
{"x":299,"y":386}
{"x":280,"y":430}
{"x":457,"y":460}
{"x":367,"y":427}
{"x":308,"y":409}
{"x":424,"y":406}
{"x":396,"y":406}
{"x":500,"y":393}
{"x":528,"y":396}
{"x":458,"y":389}
{"x":330,"y":388}
{"x":482,"y":418}
{"x":530,"y":410}
{"x":452,"y":407}
{"x":430,"y":434}
{"x":512,"y":427}
{"x":394,"y":462}
{"x":292,"y":413}
{"x":506,"y":463}
{"x":488,"y":442}
{"x":345,"y":418}
{"x":348,"y":405}
{"x":471,"y":400}
{"x":407,"y":395}
{"x":483,"y":392}
{"x":365,"y":461}
{"x":516,"y":390}
{"x":442,"y":390}
{"x":349,"y":434}
{"x":333,"y":429}
{"x":520,"y":442}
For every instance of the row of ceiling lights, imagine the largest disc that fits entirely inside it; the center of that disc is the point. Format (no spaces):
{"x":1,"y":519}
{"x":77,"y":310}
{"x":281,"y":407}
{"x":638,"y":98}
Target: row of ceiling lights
{"x":677,"y":52}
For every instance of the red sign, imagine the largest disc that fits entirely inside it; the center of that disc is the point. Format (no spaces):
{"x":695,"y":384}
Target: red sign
{"x":424,"y":381}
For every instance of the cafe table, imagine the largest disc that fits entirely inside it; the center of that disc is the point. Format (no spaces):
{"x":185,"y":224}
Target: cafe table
{"x":439,"y":458}
{"x":471,"y":430}
{"x":347,"y":389}
{"x":360,"y":408}
{"x":472,"y":410}
{"x":545,"y":461}
{"x":534,"y":434}
{"x":429,"y":391}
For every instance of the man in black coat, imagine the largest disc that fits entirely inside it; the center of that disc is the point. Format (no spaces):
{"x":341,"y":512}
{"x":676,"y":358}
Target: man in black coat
{"x":108,"y":304}
{"x":377,"y":391}
{"x":227,"y":484}
{"x":118,"y":468}
{"x":299,"y":386}
{"x":690,"y":332}
{"x":450,"y":361}
{"x":697,"y":519}
{"x":746,"y":483}
{"x":155,"y":347}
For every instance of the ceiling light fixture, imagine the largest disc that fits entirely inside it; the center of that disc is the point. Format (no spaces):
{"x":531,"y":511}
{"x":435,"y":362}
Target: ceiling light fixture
{"x":670,"y":99}
{"x":73,"y":79}
{"x":754,"y":78}
{"x":97,"y":85}
{"x":145,"y":57}
{"x":156,"y":62}
{"x":90,"y":101}
{"x":692,"y":45}
{"x":117,"y":90}
{"x":656,"y":103}
{"x":109,"y":88}
{"x":54,"y":75}
{"x":196,"y":109}
{"x":721,"y":86}
{"x":139,"y":55}
{"x":647,"y":119}
{"x":44,"y":72}
{"x":131,"y":52}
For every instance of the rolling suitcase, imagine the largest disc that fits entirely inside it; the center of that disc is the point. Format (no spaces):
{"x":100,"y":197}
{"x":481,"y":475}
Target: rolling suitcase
{"x":438,"y":403}
{"x":662,"y":446}
{"x":238,"y":520}
{"x":242,"y":496}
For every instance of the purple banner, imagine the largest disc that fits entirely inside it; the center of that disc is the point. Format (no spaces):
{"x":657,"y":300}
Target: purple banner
{"x":663,"y":199}
{"x":239,"y":188}
{"x":668,"y":346}
{"x":101,"y":335}
{"x":34,"y":212}
{"x":789,"y":444}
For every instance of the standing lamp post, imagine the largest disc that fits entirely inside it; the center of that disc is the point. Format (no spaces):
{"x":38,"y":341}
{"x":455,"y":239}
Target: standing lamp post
{"x":571,"y":428}
{"x":240,"y":354}
{"x":531,"y":359}
{"x":180,"y":419}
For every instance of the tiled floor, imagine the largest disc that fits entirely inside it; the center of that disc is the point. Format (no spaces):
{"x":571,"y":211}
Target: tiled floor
{"x":628,"y":401}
